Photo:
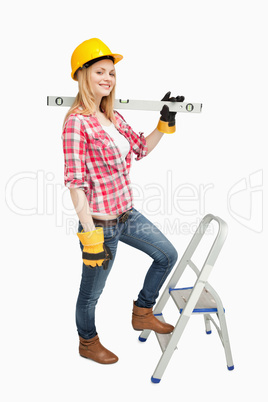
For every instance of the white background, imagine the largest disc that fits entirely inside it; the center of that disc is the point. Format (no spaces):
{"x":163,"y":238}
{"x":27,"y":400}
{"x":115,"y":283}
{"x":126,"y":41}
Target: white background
{"x":214,"y":52}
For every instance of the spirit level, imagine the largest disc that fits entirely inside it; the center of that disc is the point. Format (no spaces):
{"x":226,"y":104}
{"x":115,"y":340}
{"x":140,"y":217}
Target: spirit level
{"x":129,"y":104}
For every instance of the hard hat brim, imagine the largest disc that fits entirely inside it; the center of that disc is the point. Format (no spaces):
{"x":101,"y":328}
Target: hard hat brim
{"x":116,"y":58}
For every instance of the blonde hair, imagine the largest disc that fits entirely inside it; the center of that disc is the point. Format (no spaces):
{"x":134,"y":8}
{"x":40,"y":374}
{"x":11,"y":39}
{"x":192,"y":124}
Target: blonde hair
{"x":84,"y":102}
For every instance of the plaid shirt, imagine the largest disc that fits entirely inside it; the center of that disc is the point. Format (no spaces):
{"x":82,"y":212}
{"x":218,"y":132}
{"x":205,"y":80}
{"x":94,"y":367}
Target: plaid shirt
{"x":93,"y":162}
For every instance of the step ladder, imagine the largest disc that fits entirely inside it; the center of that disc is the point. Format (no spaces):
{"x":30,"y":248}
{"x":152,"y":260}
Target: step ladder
{"x":200,"y":298}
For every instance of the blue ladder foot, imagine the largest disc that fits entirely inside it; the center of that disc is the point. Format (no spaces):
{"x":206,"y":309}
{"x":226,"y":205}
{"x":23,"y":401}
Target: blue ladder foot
{"x":208,"y":332}
{"x":155,"y":380}
{"x":142,"y":339}
{"x":230,"y":368}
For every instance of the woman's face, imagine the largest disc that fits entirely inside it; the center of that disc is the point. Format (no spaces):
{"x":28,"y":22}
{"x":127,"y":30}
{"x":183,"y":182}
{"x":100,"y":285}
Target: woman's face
{"x":102,"y":78}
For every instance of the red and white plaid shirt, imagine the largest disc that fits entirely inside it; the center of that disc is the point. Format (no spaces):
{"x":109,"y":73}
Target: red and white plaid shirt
{"x":93,"y":162}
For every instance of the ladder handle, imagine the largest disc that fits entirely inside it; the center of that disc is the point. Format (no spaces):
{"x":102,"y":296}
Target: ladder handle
{"x":221,"y":236}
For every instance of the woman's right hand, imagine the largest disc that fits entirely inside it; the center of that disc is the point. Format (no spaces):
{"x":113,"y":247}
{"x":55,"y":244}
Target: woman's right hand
{"x":95,"y":252}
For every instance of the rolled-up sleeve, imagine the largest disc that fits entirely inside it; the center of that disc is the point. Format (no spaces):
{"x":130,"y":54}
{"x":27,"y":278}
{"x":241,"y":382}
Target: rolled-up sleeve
{"x":74,"y":149}
{"x":138,"y":141}
{"x":139,"y":145}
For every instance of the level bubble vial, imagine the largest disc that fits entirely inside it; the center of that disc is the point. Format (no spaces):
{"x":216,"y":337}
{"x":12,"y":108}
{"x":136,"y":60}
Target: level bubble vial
{"x":189,"y":107}
{"x":59,"y":101}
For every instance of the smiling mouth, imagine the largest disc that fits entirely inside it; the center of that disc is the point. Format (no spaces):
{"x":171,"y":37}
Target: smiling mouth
{"x":105,"y":86}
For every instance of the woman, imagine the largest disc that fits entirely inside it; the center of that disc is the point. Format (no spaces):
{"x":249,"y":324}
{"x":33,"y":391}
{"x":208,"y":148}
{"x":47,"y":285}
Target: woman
{"x":98,"y":147}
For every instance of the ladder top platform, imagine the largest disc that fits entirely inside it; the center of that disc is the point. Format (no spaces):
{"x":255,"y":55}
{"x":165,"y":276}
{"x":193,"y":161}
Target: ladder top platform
{"x":205,"y":303}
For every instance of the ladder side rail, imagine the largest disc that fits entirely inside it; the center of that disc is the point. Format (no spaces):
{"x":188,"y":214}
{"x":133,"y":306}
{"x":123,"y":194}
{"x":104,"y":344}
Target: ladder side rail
{"x":208,"y":265}
{"x":167,"y":354}
{"x":182,"y":321}
{"x":186,"y":257}
{"x":220,"y":309}
{"x":197,"y":289}
{"x":215,"y":248}
{"x":144,"y":335}
{"x":182,"y":264}
{"x":223,"y":331}
{"x":210,"y":261}
{"x":218,"y":242}
{"x":226,"y":341}
{"x":217,"y":328}
{"x":207,"y":323}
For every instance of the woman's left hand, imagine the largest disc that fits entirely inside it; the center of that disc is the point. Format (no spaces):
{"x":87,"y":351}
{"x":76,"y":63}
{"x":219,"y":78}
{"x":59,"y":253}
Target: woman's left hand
{"x":167,"y":122}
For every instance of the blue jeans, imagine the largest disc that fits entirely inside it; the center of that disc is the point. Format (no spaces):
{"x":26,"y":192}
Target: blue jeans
{"x":140,"y":233}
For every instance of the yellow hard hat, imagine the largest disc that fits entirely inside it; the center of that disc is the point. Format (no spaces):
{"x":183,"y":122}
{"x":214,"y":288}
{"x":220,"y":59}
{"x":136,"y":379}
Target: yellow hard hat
{"x":91,"y":50}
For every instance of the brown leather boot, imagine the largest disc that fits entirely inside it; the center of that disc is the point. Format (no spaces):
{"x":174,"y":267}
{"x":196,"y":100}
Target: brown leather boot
{"x":93,"y":349}
{"x":143,"y":318}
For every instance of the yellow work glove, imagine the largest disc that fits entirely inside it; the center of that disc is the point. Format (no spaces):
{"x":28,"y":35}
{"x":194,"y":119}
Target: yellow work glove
{"x":167,"y":123}
{"x":95,"y":252}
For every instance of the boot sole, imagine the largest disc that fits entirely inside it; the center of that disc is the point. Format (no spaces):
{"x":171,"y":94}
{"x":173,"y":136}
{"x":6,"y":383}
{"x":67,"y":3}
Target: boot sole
{"x":89,"y":358}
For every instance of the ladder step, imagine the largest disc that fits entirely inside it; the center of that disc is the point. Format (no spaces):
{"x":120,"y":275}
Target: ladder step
{"x":163,"y":339}
{"x":205,"y":304}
